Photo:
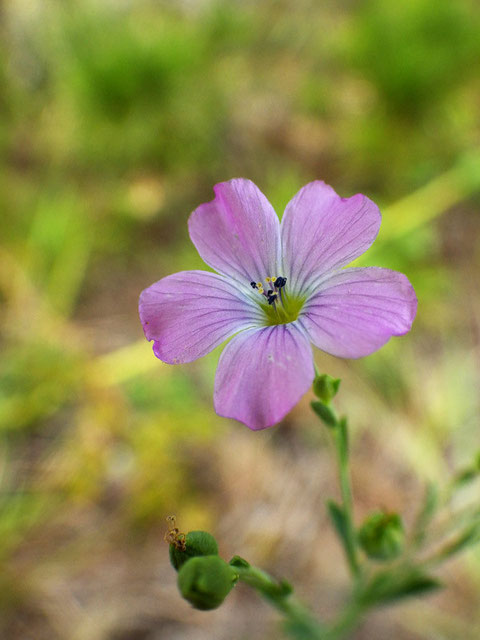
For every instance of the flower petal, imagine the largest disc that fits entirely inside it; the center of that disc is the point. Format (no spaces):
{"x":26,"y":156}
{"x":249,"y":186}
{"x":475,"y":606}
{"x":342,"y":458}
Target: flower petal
{"x":262,"y":374}
{"x":322,"y":232}
{"x":237,"y":233}
{"x":190,"y":313}
{"x":357,"y":310}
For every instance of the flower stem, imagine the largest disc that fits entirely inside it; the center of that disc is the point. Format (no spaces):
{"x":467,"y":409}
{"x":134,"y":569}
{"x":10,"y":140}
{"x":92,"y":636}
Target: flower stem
{"x":341,"y":445}
{"x":299,"y":621}
{"x":279,"y":594}
{"x":325,"y":388}
{"x":346,"y":622}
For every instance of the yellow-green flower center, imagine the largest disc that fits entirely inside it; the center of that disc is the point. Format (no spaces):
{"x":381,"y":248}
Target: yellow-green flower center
{"x":285,"y":311}
{"x":278,"y":306}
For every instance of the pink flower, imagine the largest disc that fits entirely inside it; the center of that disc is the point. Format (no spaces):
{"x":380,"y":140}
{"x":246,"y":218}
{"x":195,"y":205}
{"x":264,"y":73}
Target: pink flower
{"x":279,"y":288}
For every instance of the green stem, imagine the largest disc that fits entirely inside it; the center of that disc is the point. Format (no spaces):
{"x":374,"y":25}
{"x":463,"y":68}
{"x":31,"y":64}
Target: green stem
{"x":281,"y":597}
{"x":346,"y":623}
{"x":299,"y":620}
{"x":340,"y":436}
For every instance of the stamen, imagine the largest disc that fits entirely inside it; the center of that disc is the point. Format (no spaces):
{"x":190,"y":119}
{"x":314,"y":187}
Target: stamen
{"x":276,"y":283}
{"x":279,"y":308}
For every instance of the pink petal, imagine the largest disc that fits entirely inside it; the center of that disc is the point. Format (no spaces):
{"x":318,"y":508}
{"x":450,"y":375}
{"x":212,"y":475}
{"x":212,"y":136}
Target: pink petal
{"x":262,"y":374}
{"x":237,"y":233}
{"x":190,"y":313}
{"x":356,"y":311}
{"x":322,"y":232}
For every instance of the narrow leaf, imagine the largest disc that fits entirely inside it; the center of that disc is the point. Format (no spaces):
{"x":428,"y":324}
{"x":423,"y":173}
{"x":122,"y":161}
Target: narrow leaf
{"x":285,"y":588}
{"x":325,"y":413}
{"x":466,"y":539}
{"x":339,"y":521}
{"x":239,"y":562}
{"x":427,"y":512}
{"x":386,"y":587}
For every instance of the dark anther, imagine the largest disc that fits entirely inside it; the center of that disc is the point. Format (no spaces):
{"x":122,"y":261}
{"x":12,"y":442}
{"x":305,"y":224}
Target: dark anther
{"x":269,"y":292}
{"x":253,"y":285}
{"x":280,"y":282}
{"x":271,"y":299}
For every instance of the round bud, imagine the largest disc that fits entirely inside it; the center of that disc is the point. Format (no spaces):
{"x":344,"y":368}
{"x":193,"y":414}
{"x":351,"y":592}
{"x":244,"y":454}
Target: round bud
{"x":205,"y":581}
{"x":197,"y":543}
{"x":382,"y":535}
{"x":325,"y":387}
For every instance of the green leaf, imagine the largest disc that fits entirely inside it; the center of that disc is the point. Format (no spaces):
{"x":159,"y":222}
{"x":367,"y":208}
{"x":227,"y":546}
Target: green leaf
{"x":465,"y":476}
{"x":466,"y":539}
{"x":325,"y":413}
{"x":339,"y":520}
{"x":388,"y":587}
{"x":239,"y":562}
{"x":427,"y":512}
{"x":285,"y":588}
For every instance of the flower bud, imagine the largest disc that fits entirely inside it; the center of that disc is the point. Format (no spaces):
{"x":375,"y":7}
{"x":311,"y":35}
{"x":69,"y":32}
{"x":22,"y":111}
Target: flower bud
{"x":325,"y":387}
{"x":197,"y":543}
{"x":382,"y":535}
{"x":205,"y":581}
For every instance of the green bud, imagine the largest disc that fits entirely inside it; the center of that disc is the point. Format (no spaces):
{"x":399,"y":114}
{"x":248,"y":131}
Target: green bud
{"x":197,"y":543}
{"x":205,"y":581}
{"x":325,"y":387}
{"x":382,"y":535}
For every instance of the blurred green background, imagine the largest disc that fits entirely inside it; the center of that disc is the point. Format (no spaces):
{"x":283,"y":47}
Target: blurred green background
{"x":116,"y":120}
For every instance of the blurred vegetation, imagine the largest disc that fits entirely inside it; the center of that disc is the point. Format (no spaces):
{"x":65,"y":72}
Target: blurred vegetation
{"x":116,"y":119}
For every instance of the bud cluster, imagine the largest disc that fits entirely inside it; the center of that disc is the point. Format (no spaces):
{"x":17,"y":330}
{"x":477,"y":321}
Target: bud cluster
{"x":204,"y":578}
